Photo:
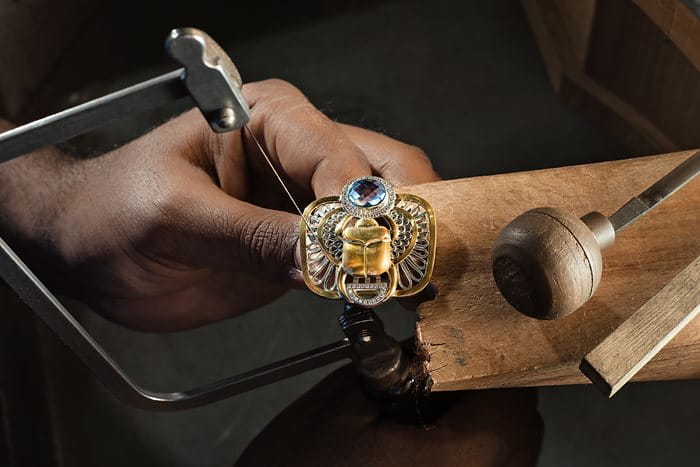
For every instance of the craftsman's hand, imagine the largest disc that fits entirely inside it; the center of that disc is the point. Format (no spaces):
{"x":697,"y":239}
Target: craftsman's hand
{"x":183,"y":226}
{"x":334,"y":424}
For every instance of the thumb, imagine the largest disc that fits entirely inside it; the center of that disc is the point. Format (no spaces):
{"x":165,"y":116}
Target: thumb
{"x":226,"y":233}
{"x":268,"y":241}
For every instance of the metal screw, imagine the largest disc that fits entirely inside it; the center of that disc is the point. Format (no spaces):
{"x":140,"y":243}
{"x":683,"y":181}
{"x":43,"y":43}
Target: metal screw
{"x":364,"y":336}
{"x":225,"y":119}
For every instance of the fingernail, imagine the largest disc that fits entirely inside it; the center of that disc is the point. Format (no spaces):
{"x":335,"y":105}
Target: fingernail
{"x":297,"y":254}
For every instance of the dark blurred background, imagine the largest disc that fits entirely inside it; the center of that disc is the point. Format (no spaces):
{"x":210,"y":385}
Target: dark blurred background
{"x":464,"y":80}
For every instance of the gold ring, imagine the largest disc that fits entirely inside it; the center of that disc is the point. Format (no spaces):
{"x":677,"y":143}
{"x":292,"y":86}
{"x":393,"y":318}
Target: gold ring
{"x":369,"y":244}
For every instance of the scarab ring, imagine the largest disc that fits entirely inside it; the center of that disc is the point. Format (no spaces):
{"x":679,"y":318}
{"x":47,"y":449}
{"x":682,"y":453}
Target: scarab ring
{"x":369,"y":244}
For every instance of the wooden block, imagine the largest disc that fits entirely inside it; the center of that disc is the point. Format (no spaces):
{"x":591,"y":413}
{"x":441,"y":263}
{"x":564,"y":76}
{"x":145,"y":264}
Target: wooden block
{"x":639,"y":338}
{"x":472,"y":338}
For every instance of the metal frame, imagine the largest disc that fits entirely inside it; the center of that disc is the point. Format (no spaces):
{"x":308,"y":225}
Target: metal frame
{"x":210,"y":79}
{"x":52,"y":312}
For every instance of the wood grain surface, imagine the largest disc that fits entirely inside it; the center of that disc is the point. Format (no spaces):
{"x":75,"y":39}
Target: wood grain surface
{"x":472,"y":338}
{"x":640,"y":337}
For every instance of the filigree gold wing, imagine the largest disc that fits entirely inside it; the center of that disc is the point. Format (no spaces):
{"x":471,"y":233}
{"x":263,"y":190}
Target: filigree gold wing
{"x":321,"y":248}
{"x":413,"y":245}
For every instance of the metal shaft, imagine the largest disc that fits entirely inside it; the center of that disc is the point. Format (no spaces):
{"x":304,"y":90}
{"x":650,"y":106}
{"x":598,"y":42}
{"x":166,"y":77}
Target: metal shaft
{"x":208,"y":78}
{"x":93,"y":114}
{"x":52,"y":312}
{"x":655,"y":194}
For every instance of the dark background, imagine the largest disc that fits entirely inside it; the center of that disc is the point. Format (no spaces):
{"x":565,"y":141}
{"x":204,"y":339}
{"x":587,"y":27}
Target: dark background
{"x":462,"y":80}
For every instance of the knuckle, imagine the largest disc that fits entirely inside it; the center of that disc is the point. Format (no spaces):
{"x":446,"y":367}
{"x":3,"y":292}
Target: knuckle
{"x":164,"y":217}
{"x":167,"y":205}
{"x":278,"y":103}
{"x":272,"y":90}
{"x":418,"y":154}
{"x":281,"y":86}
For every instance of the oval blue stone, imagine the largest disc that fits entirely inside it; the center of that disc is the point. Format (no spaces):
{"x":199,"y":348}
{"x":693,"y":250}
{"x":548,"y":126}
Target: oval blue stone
{"x":366,"y":193}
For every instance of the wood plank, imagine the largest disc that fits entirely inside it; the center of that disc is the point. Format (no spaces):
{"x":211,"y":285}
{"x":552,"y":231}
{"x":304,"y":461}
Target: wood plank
{"x":565,"y":68}
{"x":613,"y":362}
{"x":631,"y":57}
{"x":551,"y":38}
{"x":632,"y":128}
{"x":678,"y":23}
{"x":470,"y":335}
{"x":632,"y":67}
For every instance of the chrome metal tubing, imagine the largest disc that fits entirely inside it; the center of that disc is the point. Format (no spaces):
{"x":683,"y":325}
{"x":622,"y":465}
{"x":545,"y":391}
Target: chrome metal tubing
{"x":52,"y":312}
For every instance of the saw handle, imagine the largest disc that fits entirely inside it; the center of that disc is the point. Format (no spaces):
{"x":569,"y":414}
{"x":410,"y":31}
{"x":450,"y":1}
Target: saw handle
{"x":547,"y":262}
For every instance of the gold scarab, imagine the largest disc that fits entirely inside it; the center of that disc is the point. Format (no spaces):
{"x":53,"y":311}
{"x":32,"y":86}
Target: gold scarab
{"x":369,"y":244}
{"x":366,"y":249}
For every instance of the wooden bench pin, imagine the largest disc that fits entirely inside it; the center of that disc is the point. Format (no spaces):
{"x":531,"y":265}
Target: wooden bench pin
{"x":547,"y":262}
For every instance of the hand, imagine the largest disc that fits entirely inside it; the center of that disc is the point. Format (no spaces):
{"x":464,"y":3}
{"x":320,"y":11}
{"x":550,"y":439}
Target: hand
{"x":334,"y":424}
{"x":184,"y":226}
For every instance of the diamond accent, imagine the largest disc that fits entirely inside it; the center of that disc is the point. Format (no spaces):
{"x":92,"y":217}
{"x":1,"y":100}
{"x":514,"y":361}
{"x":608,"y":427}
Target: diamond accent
{"x":381,"y":288}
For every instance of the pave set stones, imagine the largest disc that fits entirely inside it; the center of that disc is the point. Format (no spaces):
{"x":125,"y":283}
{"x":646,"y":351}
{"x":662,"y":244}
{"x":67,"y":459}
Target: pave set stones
{"x":380,"y":289}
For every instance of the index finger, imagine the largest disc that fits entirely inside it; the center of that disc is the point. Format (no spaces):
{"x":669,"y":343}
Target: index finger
{"x":309,"y":148}
{"x":400,"y":163}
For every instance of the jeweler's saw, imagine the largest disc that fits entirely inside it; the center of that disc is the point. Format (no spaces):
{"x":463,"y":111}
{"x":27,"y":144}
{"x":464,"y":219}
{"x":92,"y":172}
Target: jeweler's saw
{"x":211,"y":81}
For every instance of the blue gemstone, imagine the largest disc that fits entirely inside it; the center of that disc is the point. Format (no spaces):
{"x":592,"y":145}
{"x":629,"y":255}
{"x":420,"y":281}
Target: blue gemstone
{"x":366,"y":193}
